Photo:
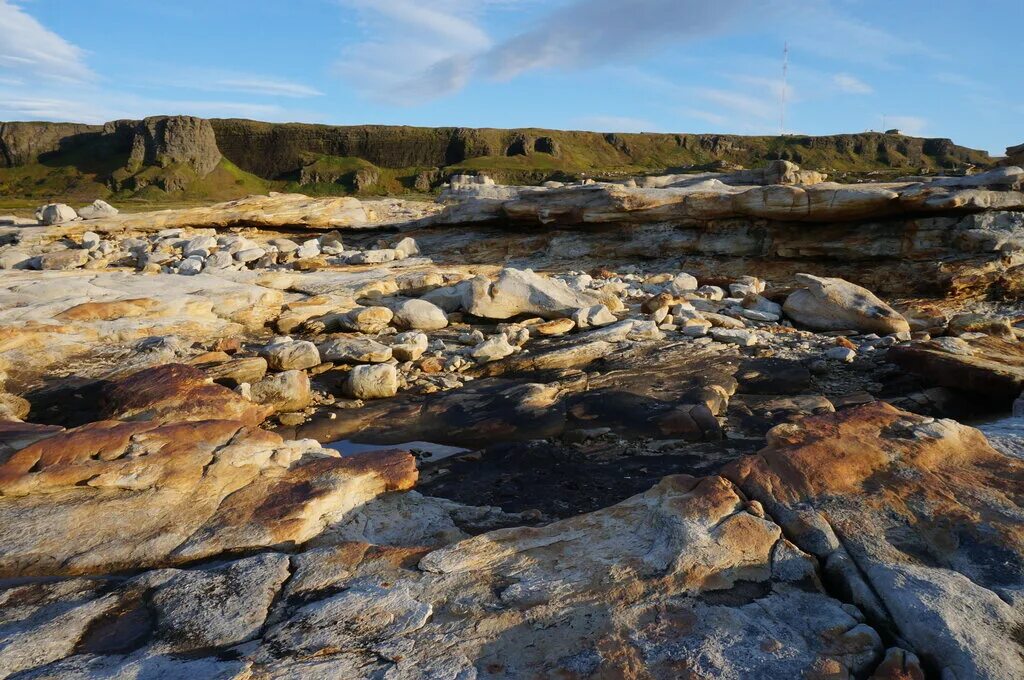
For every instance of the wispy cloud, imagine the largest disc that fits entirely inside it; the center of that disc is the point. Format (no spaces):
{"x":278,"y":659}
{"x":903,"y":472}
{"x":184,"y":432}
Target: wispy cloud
{"x":844,"y":82}
{"x":267,"y":86}
{"x":87,"y":105}
{"x":27,"y":48}
{"x":412,"y":52}
{"x":588,"y":32}
{"x":415,"y":52}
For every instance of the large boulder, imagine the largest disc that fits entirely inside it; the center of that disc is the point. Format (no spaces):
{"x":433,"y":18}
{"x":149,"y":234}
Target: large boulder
{"x":372,"y":381}
{"x":518,"y":291}
{"x":916,"y":520}
{"x":353,"y":349}
{"x":96,"y":210}
{"x":828,"y":304}
{"x":56,"y":213}
{"x":418,"y":315}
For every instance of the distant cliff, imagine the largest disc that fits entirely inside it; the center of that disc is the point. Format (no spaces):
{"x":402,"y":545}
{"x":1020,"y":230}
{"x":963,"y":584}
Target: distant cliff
{"x":191,"y":155}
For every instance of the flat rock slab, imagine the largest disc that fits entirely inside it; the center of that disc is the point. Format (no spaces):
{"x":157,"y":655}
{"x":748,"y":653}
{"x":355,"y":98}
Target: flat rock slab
{"x":114,"y":495}
{"x":685,"y":577}
{"x":920,"y":520}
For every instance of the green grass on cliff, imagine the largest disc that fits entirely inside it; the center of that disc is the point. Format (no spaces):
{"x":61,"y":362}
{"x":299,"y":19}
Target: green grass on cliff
{"x":301,"y":158}
{"x":32,"y":185}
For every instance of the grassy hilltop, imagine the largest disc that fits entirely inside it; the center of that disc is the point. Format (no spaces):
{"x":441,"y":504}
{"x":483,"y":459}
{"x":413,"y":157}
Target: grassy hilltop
{"x":182,"y":159}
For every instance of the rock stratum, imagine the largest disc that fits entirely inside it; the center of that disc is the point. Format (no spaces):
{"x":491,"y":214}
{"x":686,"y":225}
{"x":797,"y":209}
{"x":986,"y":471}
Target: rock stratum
{"x":224,"y":158}
{"x":674,"y":426}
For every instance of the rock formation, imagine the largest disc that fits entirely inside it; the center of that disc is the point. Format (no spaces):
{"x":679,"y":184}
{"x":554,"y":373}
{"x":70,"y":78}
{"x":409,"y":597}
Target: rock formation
{"x":599,"y":430}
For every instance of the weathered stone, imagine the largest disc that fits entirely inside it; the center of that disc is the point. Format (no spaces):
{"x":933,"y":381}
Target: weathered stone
{"x":223,"y":606}
{"x":62,"y":260}
{"x":376,"y":381}
{"x":354,"y":350}
{"x":494,"y":348}
{"x":285,"y":355}
{"x":593,"y":317}
{"x":110,"y":496}
{"x":418,"y":315}
{"x":96,"y":210}
{"x":523,"y":292}
{"x":834,"y":304}
{"x":233,"y":372}
{"x":56,"y":213}
{"x":560,"y":600}
{"x":912,"y":516}
{"x":175,"y":393}
{"x":979,"y":323}
{"x":285,"y":391}
{"x":987,"y":367}
{"x":555,"y":327}
{"x":734,"y":336}
{"x":409,"y":346}
{"x":369,"y":320}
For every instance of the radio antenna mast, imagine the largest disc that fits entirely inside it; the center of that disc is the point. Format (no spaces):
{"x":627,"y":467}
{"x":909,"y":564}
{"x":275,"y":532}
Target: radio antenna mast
{"x":782,"y":95}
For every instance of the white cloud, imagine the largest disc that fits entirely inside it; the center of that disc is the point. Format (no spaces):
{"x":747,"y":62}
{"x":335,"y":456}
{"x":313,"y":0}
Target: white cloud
{"x":587,"y":32}
{"x":28,"y":49}
{"x":413,"y":52}
{"x":267,"y":86}
{"x":89,"y":105}
{"x":851,"y":84}
{"x":615,"y":124}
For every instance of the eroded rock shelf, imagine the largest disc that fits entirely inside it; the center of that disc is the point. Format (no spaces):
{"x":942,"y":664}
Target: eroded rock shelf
{"x":707,"y":426}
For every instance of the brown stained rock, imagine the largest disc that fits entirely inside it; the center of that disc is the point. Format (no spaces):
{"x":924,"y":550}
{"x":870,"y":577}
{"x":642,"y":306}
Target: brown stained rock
{"x":113,"y":495}
{"x":919,"y":520}
{"x":988,"y":366}
{"x":176,"y":392}
{"x":16,"y":435}
{"x":687,"y":576}
{"x":108,"y":311}
{"x":899,"y":664}
{"x":646,"y":588}
{"x":233,"y":372}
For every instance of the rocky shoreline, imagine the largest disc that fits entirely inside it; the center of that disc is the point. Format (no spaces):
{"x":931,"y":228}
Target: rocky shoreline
{"x":703,"y":426}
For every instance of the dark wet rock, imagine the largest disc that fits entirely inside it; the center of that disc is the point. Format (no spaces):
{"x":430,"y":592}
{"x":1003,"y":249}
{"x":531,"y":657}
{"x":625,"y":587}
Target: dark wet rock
{"x":988,"y":367}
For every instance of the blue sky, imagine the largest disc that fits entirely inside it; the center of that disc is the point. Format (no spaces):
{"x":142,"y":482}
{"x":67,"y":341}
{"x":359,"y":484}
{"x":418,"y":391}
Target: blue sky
{"x":940,"y":69}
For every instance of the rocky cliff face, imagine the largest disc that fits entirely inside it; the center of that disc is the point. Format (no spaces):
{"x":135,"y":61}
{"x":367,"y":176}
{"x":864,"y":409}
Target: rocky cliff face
{"x":1014,"y":155}
{"x":168,"y":140}
{"x":170,"y":152}
{"x":24,"y":143}
{"x":276,"y":151}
